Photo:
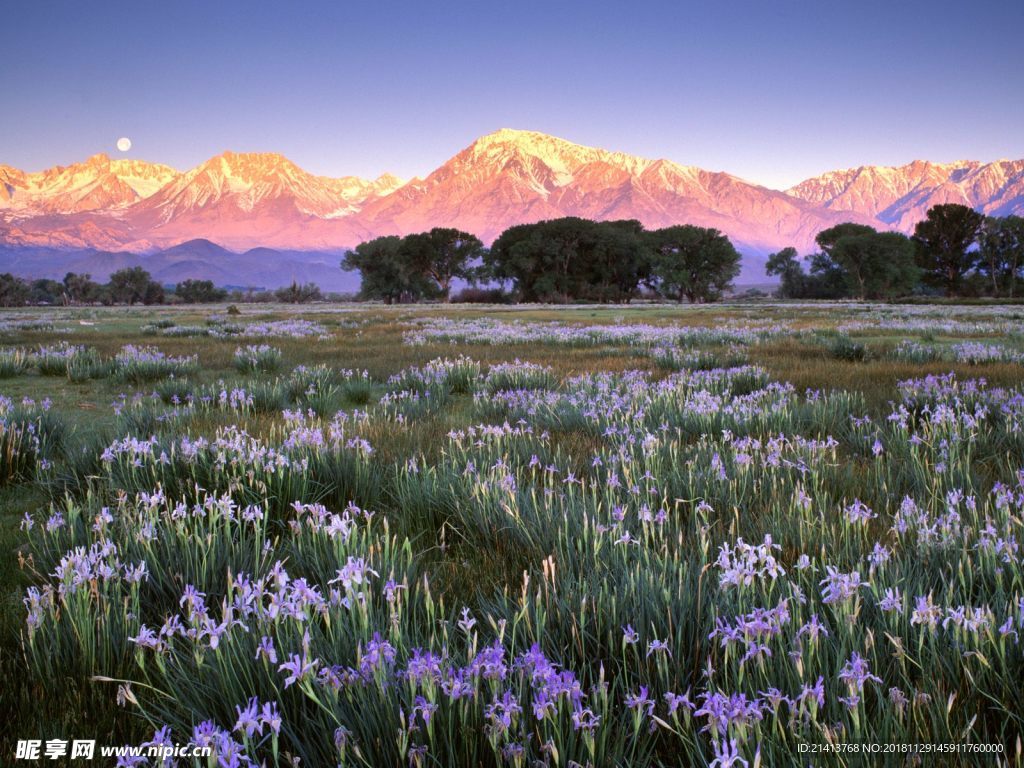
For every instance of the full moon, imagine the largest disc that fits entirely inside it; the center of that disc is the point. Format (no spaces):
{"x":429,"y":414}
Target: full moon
{"x":124,"y":143}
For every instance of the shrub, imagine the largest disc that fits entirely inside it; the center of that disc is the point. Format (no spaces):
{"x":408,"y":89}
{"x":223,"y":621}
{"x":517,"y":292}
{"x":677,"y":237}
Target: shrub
{"x":13,"y":362}
{"x":471,"y":295}
{"x":53,"y":360}
{"x":257,"y":358}
{"x":88,"y":365}
{"x":141,"y":364}
{"x":844,"y":348}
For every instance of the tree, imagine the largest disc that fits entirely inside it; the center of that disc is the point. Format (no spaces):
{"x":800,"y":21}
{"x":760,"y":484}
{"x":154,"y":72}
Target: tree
{"x":383,"y":272}
{"x":571,"y":258}
{"x":616,"y":260}
{"x":695,"y":263}
{"x":539,"y":258}
{"x":129,"y":285}
{"x":199,"y":292}
{"x":1001,"y":253}
{"x":550,"y":256}
{"x":827,"y":280}
{"x":524,"y":255}
{"x":299,"y":294}
{"x":81,"y":288}
{"x":877,"y":264}
{"x":14,"y":292}
{"x":440,"y":255}
{"x":827,"y":238}
{"x":154,"y":293}
{"x":46,"y":291}
{"x":943,"y":242}
{"x":785,"y":266}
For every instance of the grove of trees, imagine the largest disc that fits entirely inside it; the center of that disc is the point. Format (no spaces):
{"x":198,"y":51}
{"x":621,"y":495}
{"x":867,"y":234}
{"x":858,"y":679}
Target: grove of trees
{"x":567,"y":259}
{"x":132,"y":285}
{"x":419,"y":266}
{"x":199,"y":292}
{"x":954,"y":250}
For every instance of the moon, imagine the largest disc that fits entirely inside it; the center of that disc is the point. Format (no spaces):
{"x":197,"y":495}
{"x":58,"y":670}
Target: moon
{"x":124,"y":143}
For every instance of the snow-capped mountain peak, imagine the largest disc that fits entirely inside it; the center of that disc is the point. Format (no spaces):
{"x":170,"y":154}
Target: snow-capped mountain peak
{"x":900,"y":196}
{"x":248,"y":199}
{"x":97,"y":184}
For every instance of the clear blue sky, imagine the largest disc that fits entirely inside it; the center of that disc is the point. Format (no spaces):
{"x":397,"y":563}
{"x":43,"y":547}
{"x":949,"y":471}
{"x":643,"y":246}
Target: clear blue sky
{"x":771,"y":91}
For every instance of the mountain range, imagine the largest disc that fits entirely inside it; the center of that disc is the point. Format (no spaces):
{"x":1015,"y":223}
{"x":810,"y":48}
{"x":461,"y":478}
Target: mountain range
{"x":258,"y":219}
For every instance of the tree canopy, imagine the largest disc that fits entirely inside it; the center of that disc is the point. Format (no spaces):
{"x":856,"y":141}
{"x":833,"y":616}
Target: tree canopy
{"x":1001,"y":254}
{"x":81,"y":288}
{"x":571,"y":259}
{"x":695,"y":263}
{"x":199,"y":292}
{"x":954,"y":249}
{"x":566,"y":259}
{"x":876,"y":265}
{"x":133,"y":285}
{"x":383,"y":271}
{"x":944,"y":239}
{"x":440,"y":255}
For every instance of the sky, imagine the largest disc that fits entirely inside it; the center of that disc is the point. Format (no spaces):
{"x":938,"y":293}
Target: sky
{"x":773,"y":92}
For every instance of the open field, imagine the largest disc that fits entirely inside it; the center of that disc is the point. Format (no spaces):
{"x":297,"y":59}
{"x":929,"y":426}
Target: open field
{"x":433,"y":536}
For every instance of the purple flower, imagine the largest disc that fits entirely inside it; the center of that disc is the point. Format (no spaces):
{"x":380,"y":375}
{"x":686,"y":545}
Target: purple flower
{"x":813,"y":629}
{"x":674,"y":701}
{"x":839,"y":587}
{"x":147,"y":638}
{"x":658,"y":646}
{"x":501,"y":711}
{"x":585,"y":720}
{"x":266,"y":650}
{"x":1007,"y":629}
{"x":467,"y":621}
{"x":926,"y":612}
{"x":378,"y":654}
{"x":297,"y":668}
{"x":855,"y":673}
{"x":640,"y":701}
{"x":892,"y":601}
{"x":270,"y":717}
{"x":898,"y":699}
{"x":814,"y":694}
{"x":249,"y":721}
{"x":727,"y":755}
{"x":425,"y":708}
{"x":490,"y":663}
{"x":859,"y":512}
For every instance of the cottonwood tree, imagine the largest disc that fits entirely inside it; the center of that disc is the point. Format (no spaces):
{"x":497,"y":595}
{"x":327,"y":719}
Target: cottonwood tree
{"x":1001,"y":253}
{"x":944,"y":239}
{"x":827,"y":238}
{"x":383,"y":271}
{"x":81,"y":288}
{"x":876,"y":264}
{"x":616,"y":259}
{"x":133,"y":285}
{"x":14,"y":292}
{"x":787,"y":268}
{"x":199,"y":292}
{"x":441,"y":255}
{"x":571,"y":258}
{"x":694,"y":263}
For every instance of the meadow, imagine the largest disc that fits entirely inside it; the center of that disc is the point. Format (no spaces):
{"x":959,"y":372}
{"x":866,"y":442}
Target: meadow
{"x":723,"y":535}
